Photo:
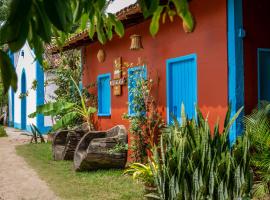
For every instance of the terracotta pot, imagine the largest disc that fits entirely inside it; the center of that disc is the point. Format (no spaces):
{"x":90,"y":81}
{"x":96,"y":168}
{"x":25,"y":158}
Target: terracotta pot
{"x":101,"y":56}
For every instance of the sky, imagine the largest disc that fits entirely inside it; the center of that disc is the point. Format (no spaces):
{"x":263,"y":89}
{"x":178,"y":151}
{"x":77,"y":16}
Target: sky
{"x":117,"y":5}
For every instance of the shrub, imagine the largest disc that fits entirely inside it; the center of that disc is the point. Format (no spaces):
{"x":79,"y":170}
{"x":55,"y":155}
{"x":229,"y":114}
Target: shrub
{"x":3,"y":132}
{"x":257,"y":127}
{"x":147,"y":122}
{"x":192,"y":162}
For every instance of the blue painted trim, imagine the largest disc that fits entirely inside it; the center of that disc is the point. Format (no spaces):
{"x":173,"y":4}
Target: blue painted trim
{"x":130,"y":70}
{"x":178,"y":59}
{"x":259,"y":70}
{"x":236,"y":64}
{"x":11,"y":122}
{"x":23,"y":100}
{"x":98,"y":78}
{"x":45,"y":129}
{"x":19,"y":126}
{"x":39,"y":94}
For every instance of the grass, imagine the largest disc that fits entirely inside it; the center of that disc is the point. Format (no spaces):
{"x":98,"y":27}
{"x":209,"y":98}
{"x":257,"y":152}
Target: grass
{"x":3,"y":132}
{"x":67,"y":184}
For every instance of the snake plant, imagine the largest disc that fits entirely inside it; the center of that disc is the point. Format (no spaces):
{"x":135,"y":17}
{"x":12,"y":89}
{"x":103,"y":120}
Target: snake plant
{"x":195,"y":162}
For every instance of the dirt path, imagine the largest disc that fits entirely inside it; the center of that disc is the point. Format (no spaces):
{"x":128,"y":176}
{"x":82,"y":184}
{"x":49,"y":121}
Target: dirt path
{"x":17,"y":180}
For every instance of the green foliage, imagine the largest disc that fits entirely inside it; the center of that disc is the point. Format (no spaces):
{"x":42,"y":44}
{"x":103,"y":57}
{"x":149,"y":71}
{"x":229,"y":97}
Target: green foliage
{"x":8,"y":74}
{"x":36,"y":135}
{"x":3,"y":98}
{"x":194,"y":163}
{"x":64,"y":66}
{"x":146,"y":122}
{"x":3,"y":132}
{"x":257,"y":127}
{"x":141,"y":173}
{"x":119,"y":148}
{"x":37,"y":22}
{"x":71,"y":110}
{"x":3,"y":10}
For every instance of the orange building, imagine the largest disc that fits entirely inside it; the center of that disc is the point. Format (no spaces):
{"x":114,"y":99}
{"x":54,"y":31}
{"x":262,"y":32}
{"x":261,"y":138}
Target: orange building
{"x":226,"y":59}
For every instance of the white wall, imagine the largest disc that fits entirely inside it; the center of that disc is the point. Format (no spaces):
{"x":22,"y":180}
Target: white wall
{"x":28,"y":63}
{"x":49,"y":94}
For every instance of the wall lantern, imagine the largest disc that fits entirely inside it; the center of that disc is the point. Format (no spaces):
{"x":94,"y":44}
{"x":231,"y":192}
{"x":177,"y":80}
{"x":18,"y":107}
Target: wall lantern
{"x":101,"y":56}
{"x":136,"y":42}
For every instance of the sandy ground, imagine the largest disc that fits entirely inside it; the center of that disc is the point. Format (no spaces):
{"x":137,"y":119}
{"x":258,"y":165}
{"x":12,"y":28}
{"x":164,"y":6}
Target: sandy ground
{"x":17,"y":180}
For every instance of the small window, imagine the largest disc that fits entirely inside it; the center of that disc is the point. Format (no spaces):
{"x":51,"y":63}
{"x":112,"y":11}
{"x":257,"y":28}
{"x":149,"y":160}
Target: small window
{"x":104,"y":95}
{"x":134,"y":74}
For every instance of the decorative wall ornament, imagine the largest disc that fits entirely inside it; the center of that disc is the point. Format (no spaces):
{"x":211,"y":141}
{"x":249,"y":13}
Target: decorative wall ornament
{"x":101,"y":55}
{"x":136,"y":42}
{"x":117,"y":81}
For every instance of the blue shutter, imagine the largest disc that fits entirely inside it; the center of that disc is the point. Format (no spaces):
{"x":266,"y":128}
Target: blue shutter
{"x":134,"y":74}
{"x":104,"y":95}
{"x":181,"y":86}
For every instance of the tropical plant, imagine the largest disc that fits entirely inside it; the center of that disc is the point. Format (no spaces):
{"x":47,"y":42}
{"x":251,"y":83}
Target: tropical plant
{"x":146,"y":122}
{"x":39,"y":21}
{"x":71,"y":110}
{"x":36,"y":135}
{"x":257,"y":127}
{"x":142,"y":173}
{"x":192,"y":162}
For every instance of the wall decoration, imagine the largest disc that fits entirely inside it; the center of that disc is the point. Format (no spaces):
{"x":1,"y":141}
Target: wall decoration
{"x":117,"y":73}
{"x":136,"y":42}
{"x":117,"y":81}
{"x":101,"y":55}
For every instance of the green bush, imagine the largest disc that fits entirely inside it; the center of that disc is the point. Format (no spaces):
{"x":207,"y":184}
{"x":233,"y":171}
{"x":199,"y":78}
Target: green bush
{"x":3,"y":132}
{"x":257,"y":127}
{"x":192,"y":162}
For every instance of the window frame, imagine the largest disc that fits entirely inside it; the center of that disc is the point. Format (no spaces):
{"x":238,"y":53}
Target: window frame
{"x":99,"y":77}
{"x":131,"y":70}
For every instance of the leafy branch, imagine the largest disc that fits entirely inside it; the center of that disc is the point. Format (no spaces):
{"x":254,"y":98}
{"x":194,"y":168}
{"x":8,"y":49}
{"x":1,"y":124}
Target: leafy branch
{"x":40,"y":21}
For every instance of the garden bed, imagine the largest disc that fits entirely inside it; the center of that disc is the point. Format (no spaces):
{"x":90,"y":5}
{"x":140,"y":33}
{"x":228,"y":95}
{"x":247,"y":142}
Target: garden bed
{"x":67,"y":184}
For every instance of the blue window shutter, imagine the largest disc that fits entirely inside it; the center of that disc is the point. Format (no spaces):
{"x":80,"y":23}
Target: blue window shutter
{"x":104,"y":95}
{"x":181,"y":86}
{"x":134,"y":74}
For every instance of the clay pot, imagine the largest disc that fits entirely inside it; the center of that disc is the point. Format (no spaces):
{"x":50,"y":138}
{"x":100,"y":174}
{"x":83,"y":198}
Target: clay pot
{"x":101,"y":56}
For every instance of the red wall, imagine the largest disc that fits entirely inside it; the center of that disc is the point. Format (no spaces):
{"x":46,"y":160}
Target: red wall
{"x":256,"y":23}
{"x":209,"y":42}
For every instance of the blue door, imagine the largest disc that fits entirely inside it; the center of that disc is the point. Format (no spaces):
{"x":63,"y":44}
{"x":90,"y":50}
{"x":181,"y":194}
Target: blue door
{"x":264,"y":74}
{"x":23,"y":101}
{"x":181,"y":86}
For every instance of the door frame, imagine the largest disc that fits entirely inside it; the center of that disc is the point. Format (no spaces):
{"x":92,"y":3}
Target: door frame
{"x":168,"y":81}
{"x":23,"y":101}
{"x":259,"y":70}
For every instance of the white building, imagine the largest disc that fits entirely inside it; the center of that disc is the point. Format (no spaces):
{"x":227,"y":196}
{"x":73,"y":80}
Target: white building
{"x":31,"y":92}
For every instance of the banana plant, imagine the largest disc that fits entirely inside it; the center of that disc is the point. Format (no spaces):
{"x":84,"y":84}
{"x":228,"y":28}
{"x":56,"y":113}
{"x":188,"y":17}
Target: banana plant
{"x":71,"y":110}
